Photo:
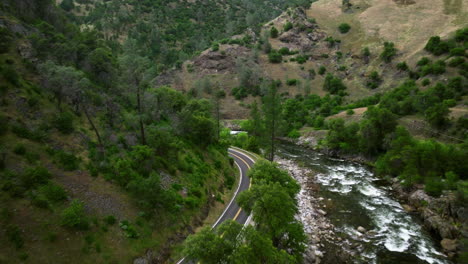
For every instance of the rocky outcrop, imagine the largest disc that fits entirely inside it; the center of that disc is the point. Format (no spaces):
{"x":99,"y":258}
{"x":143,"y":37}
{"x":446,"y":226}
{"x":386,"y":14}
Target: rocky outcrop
{"x":221,"y":61}
{"x":442,"y":216}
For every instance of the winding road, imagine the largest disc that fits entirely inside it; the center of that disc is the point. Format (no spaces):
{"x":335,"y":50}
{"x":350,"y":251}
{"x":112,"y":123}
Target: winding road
{"x":233,"y":210}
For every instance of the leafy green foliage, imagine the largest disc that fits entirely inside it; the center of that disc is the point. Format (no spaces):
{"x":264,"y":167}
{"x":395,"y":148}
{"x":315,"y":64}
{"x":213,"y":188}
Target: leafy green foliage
{"x":388,"y":52}
{"x":287,"y":26}
{"x":64,"y":122}
{"x":333,"y":85}
{"x":344,"y":28}
{"x":437,"y":46}
{"x":275,"y":57}
{"x":74,"y":216}
{"x":13,"y":234}
{"x":273,"y":32}
{"x":53,"y":192}
{"x":322,"y":70}
{"x":5,"y":40}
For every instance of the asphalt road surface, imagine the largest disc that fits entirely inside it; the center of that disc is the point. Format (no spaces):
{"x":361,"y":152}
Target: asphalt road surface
{"x":232,"y":210}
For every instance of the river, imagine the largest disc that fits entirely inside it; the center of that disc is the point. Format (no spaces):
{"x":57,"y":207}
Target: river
{"x":355,"y":198}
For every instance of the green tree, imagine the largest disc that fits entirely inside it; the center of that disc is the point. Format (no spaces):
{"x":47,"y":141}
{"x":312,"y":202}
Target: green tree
{"x":344,"y":28}
{"x":437,"y":115}
{"x":271,"y":110}
{"x":74,"y":216}
{"x":333,"y":84}
{"x":388,"y":52}
{"x":136,"y":73}
{"x":273,"y":32}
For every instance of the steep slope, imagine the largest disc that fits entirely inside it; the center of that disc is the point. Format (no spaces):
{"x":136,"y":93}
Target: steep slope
{"x":314,"y":35}
{"x":88,"y":172}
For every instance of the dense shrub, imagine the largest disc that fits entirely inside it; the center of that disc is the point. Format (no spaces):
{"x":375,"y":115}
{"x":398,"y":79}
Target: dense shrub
{"x":389,"y":52}
{"x":287,"y":26}
{"x":275,"y":57}
{"x":64,"y":122}
{"x":423,"y":61}
{"x":459,"y":51}
{"x":66,"y":160}
{"x":333,"y":84}
{"x":344,"y":28}
{"x":402,"y":66}
{"x":454,"y":62}
{"x":292,"y":82}
{"x":13,"y":234}
{"x":34,"y":176}
{"x":437,"y":46}
{"x":74,"y":216}
{"x":5,"y":39}
{"x":435,"y":68}
{"x":322,"y":70}
{"x":273,"y":32}
{"x":19,"y":149}
{"x":53,"y":192}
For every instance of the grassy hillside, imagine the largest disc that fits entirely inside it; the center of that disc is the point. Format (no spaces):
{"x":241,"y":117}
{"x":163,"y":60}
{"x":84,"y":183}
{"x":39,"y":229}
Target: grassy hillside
{"x":315,"y":38}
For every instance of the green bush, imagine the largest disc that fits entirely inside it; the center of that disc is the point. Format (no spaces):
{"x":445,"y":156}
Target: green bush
{"x":19,"y":149}
{"x":5,"y":40}
{"x":433,"y":186}
{"x":287,"y":26}
{"x":10,"y":74}
{"x":459,"y":51}
{"x":454,"y":62}
{"x":333,"y":84}
{"x":129,"y":230}
{"x":13,"y":234}
{"x":402,"y":66}
{"x":350,"y":112}
{"x":67,"y":161}
{"x":437,"y":46}
{"x":301,"y":59}
{"x":344,"y":28}
{"x":461,"y":35}
{"x":275,"y":57}
{"x":34,"y":176}
{"x":74,"y":216}
{"x":64,"y":122}
{"x":284,"y":51}
{"x":322,"y":70}
{"x":423,"y":61}
{"x":273,"y":32}
{"x":53,"y":192}
{"x":294,"y":134}
{"x":435,"y":68}
{"x":389,"y":52}
{"x":292,"y":82}
{"x":110,"y":220}
{"x":426,"y":82}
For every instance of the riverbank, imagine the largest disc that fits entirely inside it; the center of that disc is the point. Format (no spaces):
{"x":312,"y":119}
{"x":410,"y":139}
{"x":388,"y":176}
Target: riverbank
{"x":445,"y":217}
{"x":312,"y":214}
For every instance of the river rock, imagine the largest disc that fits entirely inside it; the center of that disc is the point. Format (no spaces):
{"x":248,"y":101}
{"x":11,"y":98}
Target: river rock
{"x":418,"y":198}
{"x":449,"y":245}
{"x":322,"y":212}
{"x":408,"y":208}
{"x":361,"y":229}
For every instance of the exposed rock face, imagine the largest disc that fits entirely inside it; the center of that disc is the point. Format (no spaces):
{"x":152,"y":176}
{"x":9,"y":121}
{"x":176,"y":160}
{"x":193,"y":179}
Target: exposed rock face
{"x":211,"y":62}
{"x":439,"y":216}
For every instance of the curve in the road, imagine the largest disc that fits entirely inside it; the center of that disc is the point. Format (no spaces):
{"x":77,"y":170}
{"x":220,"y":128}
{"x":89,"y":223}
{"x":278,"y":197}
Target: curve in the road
{"x":233,"y":210}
